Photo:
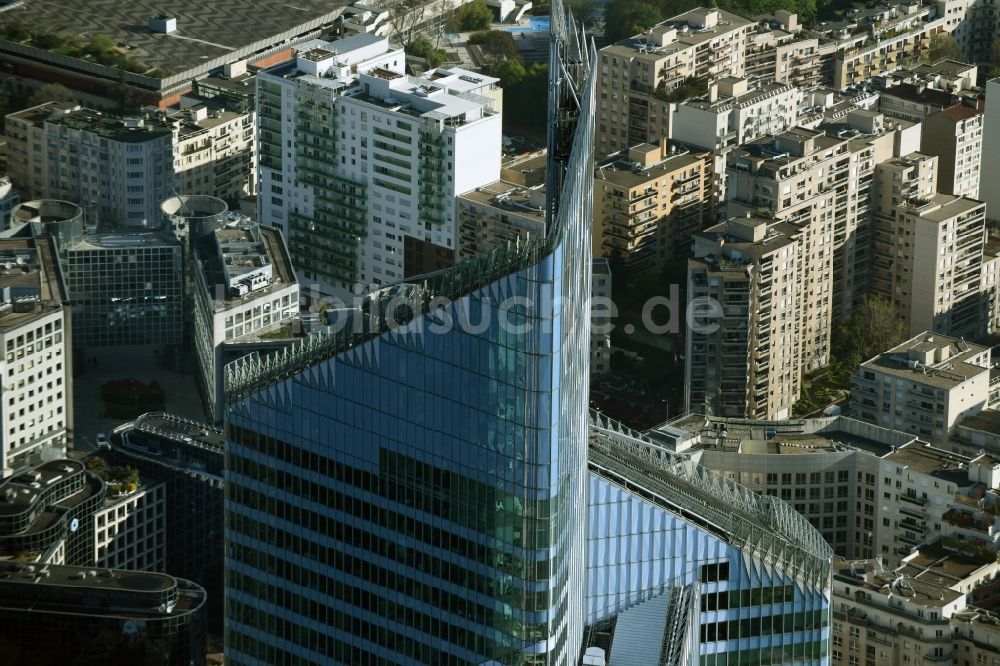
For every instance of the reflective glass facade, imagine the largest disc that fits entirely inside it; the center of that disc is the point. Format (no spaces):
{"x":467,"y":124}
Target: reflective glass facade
{"x":756,"y":572}
{"x":414,"y":491}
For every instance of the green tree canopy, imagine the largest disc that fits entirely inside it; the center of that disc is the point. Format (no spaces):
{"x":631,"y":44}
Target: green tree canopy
{"x":422,"y":48}
{"x":624,"y":18}
{"x":475,"y":15}
{"x":943,"y":45}
{"x":875,"y":327}
{"x":51,"y":92}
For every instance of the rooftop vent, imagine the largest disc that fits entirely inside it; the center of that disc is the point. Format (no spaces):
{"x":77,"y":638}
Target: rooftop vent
{"x":162,"y":23}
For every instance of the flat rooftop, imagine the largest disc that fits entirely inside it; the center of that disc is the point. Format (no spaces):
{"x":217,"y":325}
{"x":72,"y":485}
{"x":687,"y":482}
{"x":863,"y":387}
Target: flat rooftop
{"x":274,"y":250}
{"x":944,"y":207}
{"x":934,"y":565}
{"x":695,"y":35}
{"x":30,"y":288}
{"x":827,"y":434}
{"x":987,"y":420}
{"x":904,"y":583}
{"x":221,"y":29}
{"x":509,"y":197}
{"x":926,"y":459}
{"x":20,"y":491}
{"x":128,"y":594}
{"x":619,"y":170}
{"x":905,"y":361}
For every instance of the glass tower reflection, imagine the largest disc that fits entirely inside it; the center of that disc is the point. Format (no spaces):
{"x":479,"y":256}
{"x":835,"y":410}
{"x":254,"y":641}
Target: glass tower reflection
{"x":413,"y":489}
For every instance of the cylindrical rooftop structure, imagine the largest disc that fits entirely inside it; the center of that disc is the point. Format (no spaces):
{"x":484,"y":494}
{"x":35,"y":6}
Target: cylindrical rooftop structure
{"x":194,"y":215}
{"x":61,"y":219}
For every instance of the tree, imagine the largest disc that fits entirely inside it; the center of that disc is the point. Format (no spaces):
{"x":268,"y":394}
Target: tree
{"x":422,"y":48}
{"x":624,"y":18}
{"x":995,"y":59}
{"x":584,"y":11}
{"x":475,"y":15}
{"x":510,"y":72}
{"x":51,"y":92}
{"x":874,"y":327}
{"x":101,"y":44}
{"x":404,"y":17}
{"x":943,"y":45}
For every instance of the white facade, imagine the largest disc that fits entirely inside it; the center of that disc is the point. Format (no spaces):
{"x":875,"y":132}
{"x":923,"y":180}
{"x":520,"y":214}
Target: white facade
{"x":129,"y":530}
{"x":34,"y":395}
{"x":924,"y":386}
{"x":245,"y":288}
{"x":356,"y":156}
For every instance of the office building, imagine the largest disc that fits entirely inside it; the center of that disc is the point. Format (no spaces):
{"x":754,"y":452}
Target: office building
{"x":641,"y":503}
{"x":47,"y":513}
{"x":185,"y":459}
{"x":129,"y":527}
{"x":370,"y":157}
{"x":117,"y":169}
{"x":746,"y":356}
{"x":157,"y":57}
{"x":516,"y":583}
{"x":648,"y":202}
{"x":126,"y":289}
{"x":451,"y":614}
{"x":922,"y":611}
{"x":924,"y":386}
{"x":243,"y":285}
{"x":637,"y":74}
{"x":35,"y":378}
{"x":63,"y":614}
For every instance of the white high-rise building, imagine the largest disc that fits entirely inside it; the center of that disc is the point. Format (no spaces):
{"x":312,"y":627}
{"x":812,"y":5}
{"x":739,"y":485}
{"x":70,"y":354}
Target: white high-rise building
{"x":357,"y":158}
{"x":35,"y":398}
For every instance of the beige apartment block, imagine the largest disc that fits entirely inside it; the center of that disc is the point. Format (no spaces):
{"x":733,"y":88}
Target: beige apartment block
{"x":820,"y":180}
{"x":897,"y":36}
{"x":937,"y":267}
{"x":637,"y":74}
{"x":898,"y":180}
{"x":955,"y":135}
{"x":923,"y":386}
{"x":746,"y":359}
{"x":648,"y":202}
{"x":920,"y":612}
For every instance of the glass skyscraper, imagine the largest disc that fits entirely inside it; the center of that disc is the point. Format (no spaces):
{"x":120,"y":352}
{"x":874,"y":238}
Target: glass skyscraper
{"x":412,"y":490}
{"x":425,"y":485}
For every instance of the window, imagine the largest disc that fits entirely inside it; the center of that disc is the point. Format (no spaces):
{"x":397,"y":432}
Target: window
{"x":711,"y":573}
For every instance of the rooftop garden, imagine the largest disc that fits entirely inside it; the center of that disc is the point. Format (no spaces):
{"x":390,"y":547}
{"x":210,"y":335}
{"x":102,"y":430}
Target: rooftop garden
{"x":99,"y":49}
{"x":121,"y":480}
